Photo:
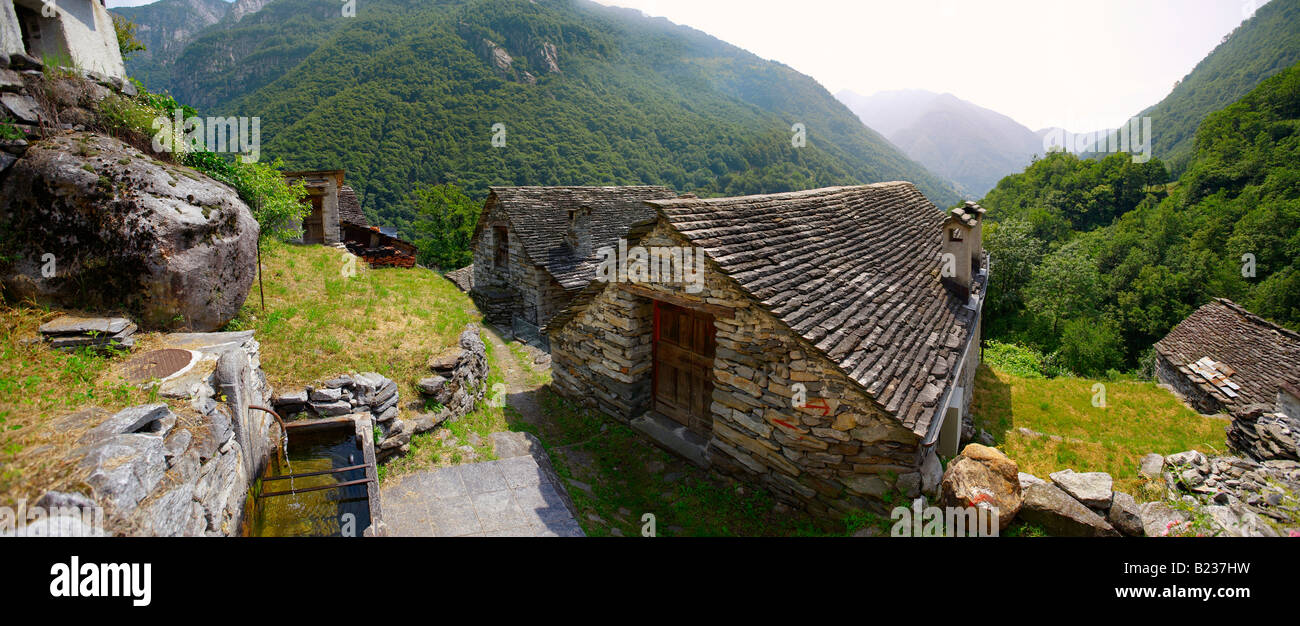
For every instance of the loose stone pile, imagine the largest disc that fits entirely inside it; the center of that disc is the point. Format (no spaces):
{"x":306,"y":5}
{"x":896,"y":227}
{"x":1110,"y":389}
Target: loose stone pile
{"x":1231,"y":495}
{"x":69,"y":333}
{"x":1261,"y":434}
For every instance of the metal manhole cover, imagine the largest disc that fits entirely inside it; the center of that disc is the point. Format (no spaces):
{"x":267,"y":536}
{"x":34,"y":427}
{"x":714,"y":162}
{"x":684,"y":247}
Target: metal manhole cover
{"x":157,"y":364}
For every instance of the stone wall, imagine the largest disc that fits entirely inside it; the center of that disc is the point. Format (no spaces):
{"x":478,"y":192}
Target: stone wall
{"x":159,"y":472}
{"x":1190,"y":392}
{"x":846,"y":459}
{"x":456,"y":387}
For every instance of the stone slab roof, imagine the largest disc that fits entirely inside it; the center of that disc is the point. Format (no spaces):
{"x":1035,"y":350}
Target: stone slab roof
{"x":854,"y":271}
{"x":350,"y":207}
{"x":539,"y":217}
{"x":1262,"y":355}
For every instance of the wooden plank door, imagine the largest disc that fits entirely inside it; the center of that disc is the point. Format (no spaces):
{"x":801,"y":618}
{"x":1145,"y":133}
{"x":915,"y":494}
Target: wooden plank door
{"x":314,"y":225}
{"x":684,"y":344}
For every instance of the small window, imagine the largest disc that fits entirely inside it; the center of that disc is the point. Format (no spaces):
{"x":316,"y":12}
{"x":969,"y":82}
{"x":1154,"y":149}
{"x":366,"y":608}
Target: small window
{"x":501,"y":241}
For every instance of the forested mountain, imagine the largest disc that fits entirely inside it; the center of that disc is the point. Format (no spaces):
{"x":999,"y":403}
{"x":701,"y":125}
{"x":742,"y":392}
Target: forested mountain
{"x":963,"y":142}
{"x":411,"y":92}
{"x":165,"y":28}
{"x":1262,"y":46}
{"x":1096,"y":260}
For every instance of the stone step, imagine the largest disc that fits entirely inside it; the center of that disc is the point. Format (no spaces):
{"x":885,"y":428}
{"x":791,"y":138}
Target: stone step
{"x":673,"y":436}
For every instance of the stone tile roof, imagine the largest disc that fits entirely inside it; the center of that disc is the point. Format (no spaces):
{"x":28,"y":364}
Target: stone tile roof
{"x":350,"y":207}
{"x":539,"y":217}
{"x":1263,"y":355}
{"x":854,"y":271}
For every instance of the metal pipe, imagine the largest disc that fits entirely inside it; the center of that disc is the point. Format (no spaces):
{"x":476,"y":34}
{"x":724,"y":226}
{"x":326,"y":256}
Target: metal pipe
{"x":319,"y":488}
{"x":319,"y":473}
{"x":273,"y":413}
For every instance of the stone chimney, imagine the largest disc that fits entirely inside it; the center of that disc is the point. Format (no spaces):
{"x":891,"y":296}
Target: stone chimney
{"x":961,"y":239}
{"x":578,"y":237}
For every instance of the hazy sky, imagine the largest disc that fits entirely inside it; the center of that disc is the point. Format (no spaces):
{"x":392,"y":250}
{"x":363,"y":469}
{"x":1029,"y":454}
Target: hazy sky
{"x":1079,"y":65}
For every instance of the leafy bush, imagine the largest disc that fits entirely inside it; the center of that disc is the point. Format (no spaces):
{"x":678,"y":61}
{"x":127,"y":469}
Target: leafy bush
{"x":1091,"y":346}
{"x":1021,"y":360}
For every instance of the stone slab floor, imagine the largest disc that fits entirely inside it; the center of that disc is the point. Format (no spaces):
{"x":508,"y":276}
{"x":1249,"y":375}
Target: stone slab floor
{"x":510,"y":497}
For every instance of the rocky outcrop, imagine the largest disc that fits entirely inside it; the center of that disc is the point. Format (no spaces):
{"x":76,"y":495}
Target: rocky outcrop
{"x":985,"y":478}
{"x":108,"y":227}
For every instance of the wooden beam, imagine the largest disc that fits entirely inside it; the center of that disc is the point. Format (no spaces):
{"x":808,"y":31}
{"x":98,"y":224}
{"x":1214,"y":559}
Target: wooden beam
{"x":720,"y":312}
{"x":319,"y":473}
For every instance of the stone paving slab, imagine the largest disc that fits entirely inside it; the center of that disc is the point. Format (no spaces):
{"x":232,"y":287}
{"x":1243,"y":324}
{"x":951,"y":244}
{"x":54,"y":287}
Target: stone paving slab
{"x":511,"y":497}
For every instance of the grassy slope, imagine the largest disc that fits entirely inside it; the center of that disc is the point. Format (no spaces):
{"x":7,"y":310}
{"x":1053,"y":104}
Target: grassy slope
{"x":1139,"y":418}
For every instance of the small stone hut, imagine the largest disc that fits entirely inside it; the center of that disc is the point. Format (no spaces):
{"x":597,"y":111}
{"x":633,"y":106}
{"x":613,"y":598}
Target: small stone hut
{"x":1223,"y":358}
{"x":80,"y":31}
{"x":534,"y":247}
{"x":323,"y":187}
{"x":821,"y":343}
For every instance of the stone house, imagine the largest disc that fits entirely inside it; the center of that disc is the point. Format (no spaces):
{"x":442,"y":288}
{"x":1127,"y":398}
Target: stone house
{"x":80,"y":31}
{"x":336,"y":218}
{"x":534,"y":247}
{"x":1223,"y":358}
{"x":822,"y":344}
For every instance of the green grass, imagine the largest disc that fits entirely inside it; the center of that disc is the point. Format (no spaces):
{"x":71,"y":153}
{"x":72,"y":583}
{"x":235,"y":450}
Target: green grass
{"x":38,"y":385}
{"x":1139,"y":418}
{"x":319,"y":323}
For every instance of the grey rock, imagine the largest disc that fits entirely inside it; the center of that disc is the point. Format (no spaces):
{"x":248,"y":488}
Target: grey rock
{"x":1061,"y":515}
{"x":931,"y":473}
{"x":124,"y":469}
{"x":1152,"y":465}
{"x":129,"y":420}
{"x":1158,"y":519}
{"x":326,"y":395}
{"x":1093,"y":489}
{"x":22,"y":108}
{"x":432,"y":385}
{"x":178,"y":248}
{"x":339,"y":382}
{"x":1190,"y":458}
{"x":65,"y":500}
{"x":10,"y":80}
{"x":1125,"y":515}
{"x":168,"y":515}
{"x":1029,"y":479}
{"x":20,"y":61}
{"x":296,"y":397}
{"x":176,"y":444}
{"x":330,"y":409}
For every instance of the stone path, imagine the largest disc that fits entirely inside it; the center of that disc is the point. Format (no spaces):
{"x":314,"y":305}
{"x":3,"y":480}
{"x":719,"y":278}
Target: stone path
{"x":511,"y":497}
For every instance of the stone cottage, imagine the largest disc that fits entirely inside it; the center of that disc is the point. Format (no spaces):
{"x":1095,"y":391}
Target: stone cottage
{"x":1223,"y":358}
{"x":80,"y":31}
{"x":534,"y":247}
{"x":323,"y":188}
{"x":822,"y":343}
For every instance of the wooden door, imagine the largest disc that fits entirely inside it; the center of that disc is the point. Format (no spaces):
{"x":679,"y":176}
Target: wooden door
{"x":684,"y":344}
{"x":314,"y":225}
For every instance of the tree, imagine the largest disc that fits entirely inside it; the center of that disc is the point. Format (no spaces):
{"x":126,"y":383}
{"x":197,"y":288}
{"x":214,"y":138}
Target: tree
{"x":445,"y":222}
{"x":1091,"y":346}
{"x":1015,"y":252}
{"x":127,"y":43}
{"x":1065,"y":285}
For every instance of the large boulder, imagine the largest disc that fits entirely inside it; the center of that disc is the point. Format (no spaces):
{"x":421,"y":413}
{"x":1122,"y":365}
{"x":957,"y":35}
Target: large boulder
{"x":173,"y":247}
{"x":985,"y":478}
{"x":1061,"y":515}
